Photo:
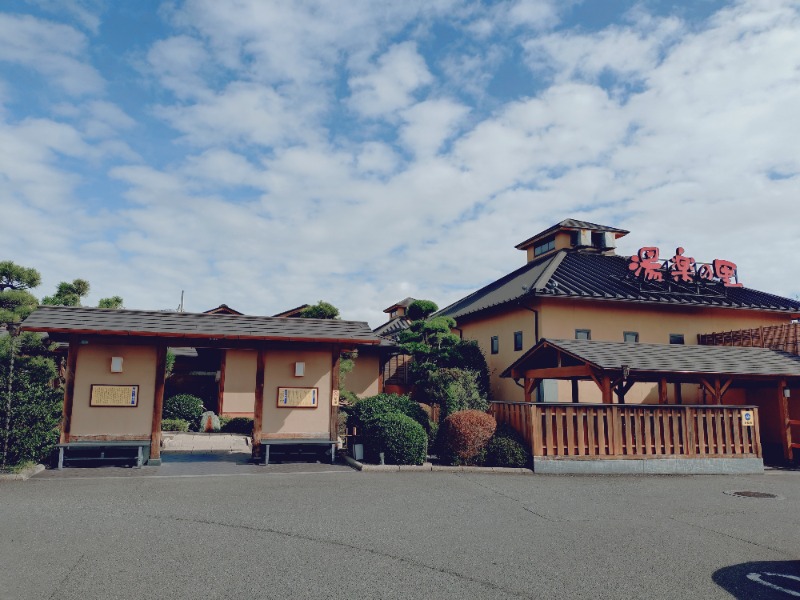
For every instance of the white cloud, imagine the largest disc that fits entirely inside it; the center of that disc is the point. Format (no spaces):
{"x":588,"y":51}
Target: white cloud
{"x":53,"y":50}
{"x":390,"y":84}
{"x":430,"y":123}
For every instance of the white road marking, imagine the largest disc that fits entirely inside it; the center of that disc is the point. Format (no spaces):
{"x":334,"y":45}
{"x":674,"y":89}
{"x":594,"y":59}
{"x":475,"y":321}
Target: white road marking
{"x":757,"y":578}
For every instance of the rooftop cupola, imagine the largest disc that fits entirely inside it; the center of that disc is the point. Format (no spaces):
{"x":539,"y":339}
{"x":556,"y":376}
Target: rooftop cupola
{"x":571,"y":234}
{"x":400,"y":309}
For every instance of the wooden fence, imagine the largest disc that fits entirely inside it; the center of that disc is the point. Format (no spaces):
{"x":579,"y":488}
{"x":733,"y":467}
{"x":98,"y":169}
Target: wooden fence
{"x":631,"y":431}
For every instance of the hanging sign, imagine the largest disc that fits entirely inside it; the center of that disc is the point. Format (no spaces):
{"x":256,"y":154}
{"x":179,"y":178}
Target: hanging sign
{"x":296,"y":397}
{"x":748,"y":418}
{"x":647,"y":265}
{"x":114,"y":395}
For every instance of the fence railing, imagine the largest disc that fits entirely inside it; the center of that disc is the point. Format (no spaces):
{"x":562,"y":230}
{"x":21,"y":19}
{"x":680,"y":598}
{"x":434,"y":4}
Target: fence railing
{"x":784,"y":337}
{"x":630,"y":431}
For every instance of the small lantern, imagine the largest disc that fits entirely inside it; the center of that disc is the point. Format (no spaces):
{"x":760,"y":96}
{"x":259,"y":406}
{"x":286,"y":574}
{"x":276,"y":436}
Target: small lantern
{"x":787,"y":393}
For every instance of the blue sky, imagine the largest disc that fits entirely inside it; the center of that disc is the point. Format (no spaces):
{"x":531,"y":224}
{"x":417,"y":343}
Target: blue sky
{"x":269,"y":154}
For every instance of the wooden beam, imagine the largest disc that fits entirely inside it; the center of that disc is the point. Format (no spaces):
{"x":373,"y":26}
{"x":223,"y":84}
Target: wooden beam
{"x":724,"y":389}
{"x":662,"y":391}
{"x":335,"y":364}
{"x":786,"y":426}
{"x":69,"y":390}
{"x":559,"y":372}
{"x":221,"y":390}
{"x":527,"y":389}
{"x":717,"y":390}
{"x":258,"y":409}
{"x":606,"y":389}
{"x":158,"y":402}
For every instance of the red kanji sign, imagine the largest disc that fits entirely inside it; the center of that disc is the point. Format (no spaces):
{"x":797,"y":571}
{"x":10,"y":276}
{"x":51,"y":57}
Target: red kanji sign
{"x":683,"y":269}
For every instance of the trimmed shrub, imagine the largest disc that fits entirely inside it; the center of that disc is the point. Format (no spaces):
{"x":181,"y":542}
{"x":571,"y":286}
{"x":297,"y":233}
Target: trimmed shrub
{"x":468,"y":356}
{"x":184,"y":406}
{"x":243,"y":425}
{"x":433,"y":438}
{"x":507,"y":449}
{"x":174,"y":425}
{"x":366,"y":410}
{"x":454,"y":390}
{"x":402,"y":440}
{"x":35,"y":407}
{"x":465,"y":435}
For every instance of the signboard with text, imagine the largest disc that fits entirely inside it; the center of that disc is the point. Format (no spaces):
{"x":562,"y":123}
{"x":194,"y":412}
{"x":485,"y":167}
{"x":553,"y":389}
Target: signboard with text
{"x":296,"y":397}
{"x":648,"y":266}
{"x":114,"y":395}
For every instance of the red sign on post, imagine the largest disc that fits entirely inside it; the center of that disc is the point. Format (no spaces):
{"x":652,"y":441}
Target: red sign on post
{"x":646,"y":265}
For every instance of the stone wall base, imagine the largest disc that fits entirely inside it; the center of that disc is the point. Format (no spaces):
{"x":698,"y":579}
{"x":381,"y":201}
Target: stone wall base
{"x":648,"y":466}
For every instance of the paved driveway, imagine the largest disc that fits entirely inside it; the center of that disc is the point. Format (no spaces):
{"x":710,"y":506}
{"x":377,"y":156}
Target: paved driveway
{"x":321,"y":531}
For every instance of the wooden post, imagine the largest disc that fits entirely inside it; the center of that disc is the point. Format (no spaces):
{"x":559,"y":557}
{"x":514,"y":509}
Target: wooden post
{"x":786,"y":427}
{"x":258,"y":409}
{"x":221,"y":390}
{"x":69,"y":389}
{"x":606,"y":388}
{"x":335,"y":364}
{"x":717,"y":391}
{"x":158,"y":404}
{"x":678,"y":393}
{"x":381,"y":382}
{"x":662,"y":391}
{"x":527,"y":387}
{"x":575,"y":397}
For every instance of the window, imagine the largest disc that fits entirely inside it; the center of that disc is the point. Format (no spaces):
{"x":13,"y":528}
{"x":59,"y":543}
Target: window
{"x":676,"y":338}
{"x":583,"y":334}
{"x":495,"y":344}
{"x":517,"y":341}
{"x":630,"y":336}
{"x":544,"y":247}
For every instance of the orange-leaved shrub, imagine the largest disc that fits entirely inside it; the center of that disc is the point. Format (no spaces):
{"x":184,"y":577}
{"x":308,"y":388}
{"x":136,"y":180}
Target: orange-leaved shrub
{"x":465,"y":436}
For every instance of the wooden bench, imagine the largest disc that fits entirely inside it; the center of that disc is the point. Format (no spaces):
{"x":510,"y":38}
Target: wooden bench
{"x":111,"y":451}
{"x":263,"y":457}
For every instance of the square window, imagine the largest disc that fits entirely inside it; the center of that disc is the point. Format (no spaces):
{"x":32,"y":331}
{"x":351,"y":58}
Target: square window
{"x":583,"y":334}
{"x":676,"y":338}
{"x":517,"y":341}
{"x":495,"y":344}
{"x":630,"y":336}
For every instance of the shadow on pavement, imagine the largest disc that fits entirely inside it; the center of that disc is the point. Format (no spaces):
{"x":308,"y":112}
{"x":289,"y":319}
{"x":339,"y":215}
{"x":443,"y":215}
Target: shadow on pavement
{"x":761,"y":580}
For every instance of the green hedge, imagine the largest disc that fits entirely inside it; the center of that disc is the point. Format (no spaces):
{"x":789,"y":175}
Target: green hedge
{"x":184,"y":406}
{"x":368,"y":409}
{"x":174,"y":425}
{"x":507,"y":448}
{"x":402,"y":440}
{"x":243,"y":425}
{"x":35,"y":405}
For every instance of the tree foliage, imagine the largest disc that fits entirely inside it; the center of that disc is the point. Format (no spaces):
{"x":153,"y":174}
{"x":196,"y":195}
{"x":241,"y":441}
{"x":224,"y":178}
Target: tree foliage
{"x":68,"y":294}
{"x":320,"y":310}
{"x":16,"y":302}
{"x":421,"y":309}
{"x":115,"y":302}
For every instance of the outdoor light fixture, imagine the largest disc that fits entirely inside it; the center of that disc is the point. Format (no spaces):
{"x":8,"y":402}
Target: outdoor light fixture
{"x":787,"y":393}
{"x":116,"y":364}
{"x":299,"y":369}
{"x":626,"y":371}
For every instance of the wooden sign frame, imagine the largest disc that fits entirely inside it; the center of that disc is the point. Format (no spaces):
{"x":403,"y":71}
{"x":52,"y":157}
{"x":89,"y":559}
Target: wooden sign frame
{"x":131,"y":387}
{"x":314,"y":391}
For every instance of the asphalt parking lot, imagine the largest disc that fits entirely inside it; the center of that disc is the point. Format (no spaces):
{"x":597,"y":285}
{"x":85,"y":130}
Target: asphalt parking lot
{"x":325,"y":531}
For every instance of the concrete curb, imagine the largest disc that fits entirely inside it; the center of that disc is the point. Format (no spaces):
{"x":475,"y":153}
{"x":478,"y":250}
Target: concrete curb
{"x":23,"y":475}
{"x":428,"y":467}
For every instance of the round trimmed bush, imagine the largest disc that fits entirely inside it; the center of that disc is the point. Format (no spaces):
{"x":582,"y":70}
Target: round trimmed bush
{"x":402,"y":440}
{"x":507,"y":449}
{"x":366,"y":410}
{"x":183,"y":406}
{"x":465,"y":436}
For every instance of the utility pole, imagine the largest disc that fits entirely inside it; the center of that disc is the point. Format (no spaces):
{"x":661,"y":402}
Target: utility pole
{"x":180,"y":307}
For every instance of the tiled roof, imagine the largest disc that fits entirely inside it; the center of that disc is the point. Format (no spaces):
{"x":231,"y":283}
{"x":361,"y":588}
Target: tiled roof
{"x":574,"y":274}
{"x":80,"y":320}
{"x":669,"y":358}
{"x":405,"y":303}
{"x":392,"y":328}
